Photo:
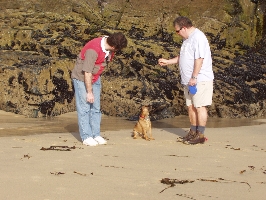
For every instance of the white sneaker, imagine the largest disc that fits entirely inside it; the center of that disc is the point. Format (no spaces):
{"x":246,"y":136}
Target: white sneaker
{"x":100,"y":140}
{"x":90,"y":142}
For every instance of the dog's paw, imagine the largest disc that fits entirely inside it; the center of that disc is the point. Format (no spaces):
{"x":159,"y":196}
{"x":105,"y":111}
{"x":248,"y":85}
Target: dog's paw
{"x":135,"y":137}
{"x":146,"y":138}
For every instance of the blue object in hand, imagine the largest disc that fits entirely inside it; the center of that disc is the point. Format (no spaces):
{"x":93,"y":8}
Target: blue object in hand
{"x":192,"y":89}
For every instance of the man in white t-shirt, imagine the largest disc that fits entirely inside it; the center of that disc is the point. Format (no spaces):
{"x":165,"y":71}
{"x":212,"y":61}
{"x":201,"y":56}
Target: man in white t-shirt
{"x":195,"y":64}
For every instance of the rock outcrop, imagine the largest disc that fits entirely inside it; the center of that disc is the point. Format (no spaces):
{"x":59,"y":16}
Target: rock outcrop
{"x":40,"y":41}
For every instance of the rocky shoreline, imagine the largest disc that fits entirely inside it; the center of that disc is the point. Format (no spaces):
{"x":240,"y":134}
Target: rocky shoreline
{"x":40,"y":41}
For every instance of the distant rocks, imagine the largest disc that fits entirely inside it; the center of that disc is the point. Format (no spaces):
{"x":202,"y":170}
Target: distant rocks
{"x":39,"y":42}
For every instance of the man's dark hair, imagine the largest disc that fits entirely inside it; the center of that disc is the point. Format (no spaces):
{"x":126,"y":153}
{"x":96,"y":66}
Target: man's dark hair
{"x":117,"y":40}
{"x":183,"y":22}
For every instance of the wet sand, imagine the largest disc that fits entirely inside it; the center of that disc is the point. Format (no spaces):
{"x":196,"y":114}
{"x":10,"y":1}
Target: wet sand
{"x":12,"y":124}
{"x":230,"y":165}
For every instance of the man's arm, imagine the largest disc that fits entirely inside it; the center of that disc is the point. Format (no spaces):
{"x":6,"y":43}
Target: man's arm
{"x":164,"y":62}
{"x":88,"y":65}
{"x":197,"y":66}
{"x":88,"y":85}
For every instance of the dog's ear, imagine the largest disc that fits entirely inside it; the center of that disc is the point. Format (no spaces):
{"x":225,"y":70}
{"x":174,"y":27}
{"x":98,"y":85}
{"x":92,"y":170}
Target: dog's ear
{"x":141,"y":110}
{"x":149,"y":107}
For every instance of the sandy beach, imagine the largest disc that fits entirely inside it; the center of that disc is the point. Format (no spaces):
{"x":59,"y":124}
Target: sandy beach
{"x":55,"y":165}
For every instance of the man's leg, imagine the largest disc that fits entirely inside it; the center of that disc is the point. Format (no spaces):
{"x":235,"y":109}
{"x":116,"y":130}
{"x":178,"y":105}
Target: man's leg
{"x":193,"y":117}
{"x":192,"y":113}
{"x":200,"y":100}
{"x":96,"y":109}
{"x":83,"y":109}
{"x":202,"y":118}
{"x":96,"y":113}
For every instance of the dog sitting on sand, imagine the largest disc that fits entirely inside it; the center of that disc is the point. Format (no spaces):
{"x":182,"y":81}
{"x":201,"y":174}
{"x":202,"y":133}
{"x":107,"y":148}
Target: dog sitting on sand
{"x":143,"y":126}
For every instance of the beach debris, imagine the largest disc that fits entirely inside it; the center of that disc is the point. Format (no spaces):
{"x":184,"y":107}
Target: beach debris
{"x":173,"y":182}
{"x":222,"y":180}
{"x":228,"y":145}
{"x":112,"y":156}
{"x":57,"y":173}
{"x":82,"y":174}
{"x":210,"y":180}
{"x":251,"y":167}
{"x":58,"y":148}
{"x":258,"y":148}
{"x":113,"y":166}
{"x":235,"y":148}
{"x":185,"y":196}
{"x":177,"y":156}
{"x":26,"y":156}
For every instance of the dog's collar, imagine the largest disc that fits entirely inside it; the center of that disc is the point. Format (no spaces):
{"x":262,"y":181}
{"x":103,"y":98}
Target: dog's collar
{"x":143,"y":117}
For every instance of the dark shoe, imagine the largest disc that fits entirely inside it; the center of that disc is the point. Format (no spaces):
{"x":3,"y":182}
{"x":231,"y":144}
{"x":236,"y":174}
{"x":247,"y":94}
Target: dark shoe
{"x":198,"y":139}
{"x":191,"y":134}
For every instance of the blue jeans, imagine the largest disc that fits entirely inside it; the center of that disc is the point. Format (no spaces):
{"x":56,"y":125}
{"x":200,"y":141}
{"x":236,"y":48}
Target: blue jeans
{"x":89,"y":114}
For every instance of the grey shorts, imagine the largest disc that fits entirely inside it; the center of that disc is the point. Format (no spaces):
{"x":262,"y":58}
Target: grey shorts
{"x":203,"y":97}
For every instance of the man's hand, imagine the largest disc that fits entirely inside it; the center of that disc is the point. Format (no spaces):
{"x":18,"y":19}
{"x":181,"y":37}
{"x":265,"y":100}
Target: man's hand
{"x":163,"y":62}
{"x":192,"y":82}
{"x":90,"y":97}
{"x":88,"y":84}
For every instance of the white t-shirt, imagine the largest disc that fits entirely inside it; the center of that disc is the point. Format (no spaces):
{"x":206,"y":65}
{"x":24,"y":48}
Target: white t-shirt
{"x":194,"y":47}
{"x":103,"y":48}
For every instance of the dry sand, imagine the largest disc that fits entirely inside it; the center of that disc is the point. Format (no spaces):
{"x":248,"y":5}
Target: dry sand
{"x":230,"y":165}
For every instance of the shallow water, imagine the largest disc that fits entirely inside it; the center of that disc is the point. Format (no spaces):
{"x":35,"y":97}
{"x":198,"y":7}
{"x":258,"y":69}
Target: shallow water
{"x":12,"y":124}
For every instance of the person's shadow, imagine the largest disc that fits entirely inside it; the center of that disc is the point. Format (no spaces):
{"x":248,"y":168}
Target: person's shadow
{"x":171,"y":128}
{"x":74,"y":130}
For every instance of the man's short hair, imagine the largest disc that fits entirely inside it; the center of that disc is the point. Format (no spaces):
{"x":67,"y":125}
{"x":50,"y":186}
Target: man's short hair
{"x":183,"y":22}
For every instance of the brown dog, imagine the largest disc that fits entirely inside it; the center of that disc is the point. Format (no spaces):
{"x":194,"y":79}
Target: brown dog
{"x":143,"y":126}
